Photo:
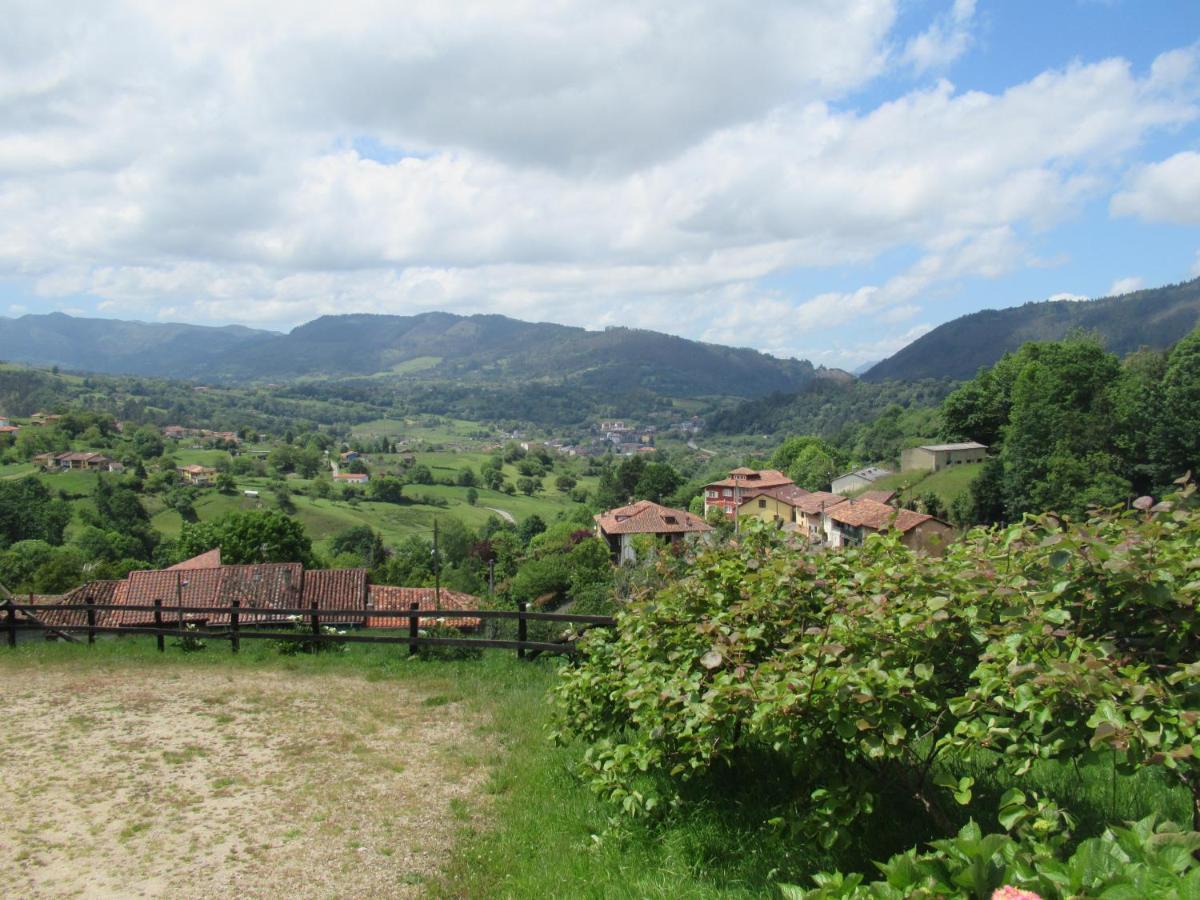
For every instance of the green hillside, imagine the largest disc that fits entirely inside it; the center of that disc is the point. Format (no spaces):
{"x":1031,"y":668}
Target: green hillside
{"x":1155,"y":318}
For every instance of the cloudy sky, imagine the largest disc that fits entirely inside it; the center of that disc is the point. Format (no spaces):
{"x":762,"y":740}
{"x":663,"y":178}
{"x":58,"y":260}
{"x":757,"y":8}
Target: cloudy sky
{"x":820,"y":178}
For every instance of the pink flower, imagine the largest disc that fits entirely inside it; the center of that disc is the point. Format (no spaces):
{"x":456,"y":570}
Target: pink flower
{"x":1008,"y":892}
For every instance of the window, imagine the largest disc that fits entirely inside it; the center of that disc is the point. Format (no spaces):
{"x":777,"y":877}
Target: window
{"x":712,"y":495}
{"x":728,"y":492}
{"x":762,"y":504}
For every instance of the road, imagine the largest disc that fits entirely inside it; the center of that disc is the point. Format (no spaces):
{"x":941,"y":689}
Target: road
{"x":504,"y":514}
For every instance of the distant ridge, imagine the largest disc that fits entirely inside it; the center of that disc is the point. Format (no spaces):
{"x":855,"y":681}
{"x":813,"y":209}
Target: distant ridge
{"x":437,"y":346}
{"x":1154,"y":318}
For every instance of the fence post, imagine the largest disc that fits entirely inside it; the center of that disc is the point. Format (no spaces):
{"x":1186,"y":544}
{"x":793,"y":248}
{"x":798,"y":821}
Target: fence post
{"x":412,"y":629}
{"x":235,"y":642}
{"x":522,"y":627}
{"x":91,"y":619}
{"x":10,"y":616}
{"x":159,"y":638}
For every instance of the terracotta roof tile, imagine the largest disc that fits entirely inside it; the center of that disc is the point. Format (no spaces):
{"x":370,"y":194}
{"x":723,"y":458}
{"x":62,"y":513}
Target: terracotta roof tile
{"x":817,"y":502}
{"x":877,"y":496}
{"x":390,"y":598}
{"x":344,"y":590}
{"x":646,"y":517}
{"x":209,"y":560}
{"x":749,"y":479}
{"x":876,"y":516}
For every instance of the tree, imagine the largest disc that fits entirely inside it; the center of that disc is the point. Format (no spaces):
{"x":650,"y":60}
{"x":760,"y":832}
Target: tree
{"x":466,"y":478}
{"x":252,"y":536}
{"x":656,"y":482}
{"x":360,"y":541}
{"x":529,"y":486}
{"x":28,"y":511}
{"x":385,"y":489}
{"x":530,"y":528}
{"x":1175,"y":444}
{"x":226,"y":484}
{"x":472,"y":496}
{"x":147,"y":443}
{"x":564,"y":483}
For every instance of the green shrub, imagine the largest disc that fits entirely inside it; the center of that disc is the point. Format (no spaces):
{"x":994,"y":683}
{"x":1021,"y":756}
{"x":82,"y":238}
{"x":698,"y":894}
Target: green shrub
{"x":860,"y":671}
{"x":445,"y":652}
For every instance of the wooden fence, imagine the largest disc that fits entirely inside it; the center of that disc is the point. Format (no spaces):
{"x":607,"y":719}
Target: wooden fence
{"x":305,"y":624}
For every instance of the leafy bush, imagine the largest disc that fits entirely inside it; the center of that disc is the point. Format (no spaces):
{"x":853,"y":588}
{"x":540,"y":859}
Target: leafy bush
{"x":190,"y":641}
{"x":445,"y":652}
{"x":304,"y":642}
{"x":1145,"y":859}
{"x":859,"y":671}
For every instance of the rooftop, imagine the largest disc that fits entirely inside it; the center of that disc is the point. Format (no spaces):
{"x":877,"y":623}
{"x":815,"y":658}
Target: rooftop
{"x":965,"y":445}
{"x":647,"y":517}
{"x":876,"y":516}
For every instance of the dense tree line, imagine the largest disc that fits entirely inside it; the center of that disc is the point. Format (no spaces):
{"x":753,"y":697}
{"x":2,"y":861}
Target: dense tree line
{"x":1072,"y":426}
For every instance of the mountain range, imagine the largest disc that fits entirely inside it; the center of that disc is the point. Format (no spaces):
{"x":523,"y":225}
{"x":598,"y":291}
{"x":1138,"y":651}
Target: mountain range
{"x":436,"y":346}
{"x":1154,"y":318}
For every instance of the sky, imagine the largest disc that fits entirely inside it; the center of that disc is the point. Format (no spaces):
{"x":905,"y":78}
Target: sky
{"x":824,"y":179}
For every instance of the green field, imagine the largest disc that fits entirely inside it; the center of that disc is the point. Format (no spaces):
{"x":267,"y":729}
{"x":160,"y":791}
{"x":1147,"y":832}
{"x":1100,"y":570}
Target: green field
{"x":948,"y":484}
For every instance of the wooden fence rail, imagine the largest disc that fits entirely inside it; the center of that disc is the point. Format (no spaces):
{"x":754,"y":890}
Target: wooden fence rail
{"x":245,"y":622}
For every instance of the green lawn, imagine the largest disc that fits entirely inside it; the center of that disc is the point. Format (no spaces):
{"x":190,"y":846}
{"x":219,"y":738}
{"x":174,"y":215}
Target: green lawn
{"x":948,"y":484}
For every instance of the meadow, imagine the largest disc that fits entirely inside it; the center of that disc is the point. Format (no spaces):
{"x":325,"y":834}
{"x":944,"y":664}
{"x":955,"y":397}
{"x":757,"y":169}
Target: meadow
{"x":402,"y":776}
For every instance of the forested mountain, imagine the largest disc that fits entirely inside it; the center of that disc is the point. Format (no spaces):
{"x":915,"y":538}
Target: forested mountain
{"x":1155,"y":318}
{"x":432,"y":346}
{"x":111,"y":345}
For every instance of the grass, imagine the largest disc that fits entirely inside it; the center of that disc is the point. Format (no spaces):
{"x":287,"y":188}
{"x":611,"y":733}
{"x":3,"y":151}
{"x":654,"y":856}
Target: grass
{"x":948,"y":484}
{"x":539,"y":831}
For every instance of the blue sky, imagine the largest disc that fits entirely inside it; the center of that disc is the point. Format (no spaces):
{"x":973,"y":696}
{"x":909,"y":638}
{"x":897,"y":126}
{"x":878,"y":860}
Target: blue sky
{"x":824,"y":179}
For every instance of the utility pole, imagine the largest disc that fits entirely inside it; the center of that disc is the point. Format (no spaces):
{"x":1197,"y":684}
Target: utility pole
{"x":437,"y":570}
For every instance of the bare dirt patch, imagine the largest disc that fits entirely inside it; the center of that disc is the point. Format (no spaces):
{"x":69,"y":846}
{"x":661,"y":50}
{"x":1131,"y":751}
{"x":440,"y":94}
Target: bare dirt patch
{"x":193,"y":783}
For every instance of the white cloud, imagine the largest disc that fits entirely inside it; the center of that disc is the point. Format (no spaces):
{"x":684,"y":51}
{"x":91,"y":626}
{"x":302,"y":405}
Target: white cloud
{"x":1067,"y":295}
{"x":625,"y":163}
{"x":1195,"y":269}
{"x":1168,"y":191}
{"x":1125,"y":286}
{"x":947,"y":39}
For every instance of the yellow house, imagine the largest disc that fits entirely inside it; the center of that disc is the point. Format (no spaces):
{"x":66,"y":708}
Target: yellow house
{"x":791,"y":505}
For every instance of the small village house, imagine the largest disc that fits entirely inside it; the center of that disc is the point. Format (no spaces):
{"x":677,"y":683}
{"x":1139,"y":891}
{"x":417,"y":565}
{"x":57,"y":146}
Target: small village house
{"x":619,"y":527}
{"x":199,"y":476}
{"x":729,"y":494}
{"x":850,"y":522}
{"x":351,"y":478}
{"x":856,"y":481}
{"x":83,"y":461}
{"x":935,"y":457}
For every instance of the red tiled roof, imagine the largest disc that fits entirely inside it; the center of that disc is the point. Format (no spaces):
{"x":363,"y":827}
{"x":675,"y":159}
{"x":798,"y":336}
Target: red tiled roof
{"x":265,"y":587}
{"x":876,"y":516}
{"x":208,"y":560}
{"x":101,"y":592}
{"x":646,"y":517}
{"x":877,"y":496}
{"x":817,"y":502}
{"x":387,"y":597}
{"x":785,"y":493}
{"x":344,"y":590}
{"x":750,"y":479}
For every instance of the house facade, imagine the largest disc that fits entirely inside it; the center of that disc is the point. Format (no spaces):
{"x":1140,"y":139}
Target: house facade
{"x":200,"y":476}
{"x":730,"y":494}
{"x":619,"y":527}
{"x":935,"y":457}
{"x":83,"y":461}
{"x":851,"y":522}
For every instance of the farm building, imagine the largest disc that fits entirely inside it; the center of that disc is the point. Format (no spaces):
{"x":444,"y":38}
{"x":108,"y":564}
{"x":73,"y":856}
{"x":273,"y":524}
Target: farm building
{"x":935,"y":457}
{"x":619,"y":527}
{"x":855,"y":481}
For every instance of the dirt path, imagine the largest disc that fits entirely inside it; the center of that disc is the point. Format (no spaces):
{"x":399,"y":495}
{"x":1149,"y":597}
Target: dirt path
{"x":190,"y":783}
{"x":504,"y":514}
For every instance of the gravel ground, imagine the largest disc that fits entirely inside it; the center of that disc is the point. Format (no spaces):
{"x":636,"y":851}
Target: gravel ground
{"x":140,"y":783}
